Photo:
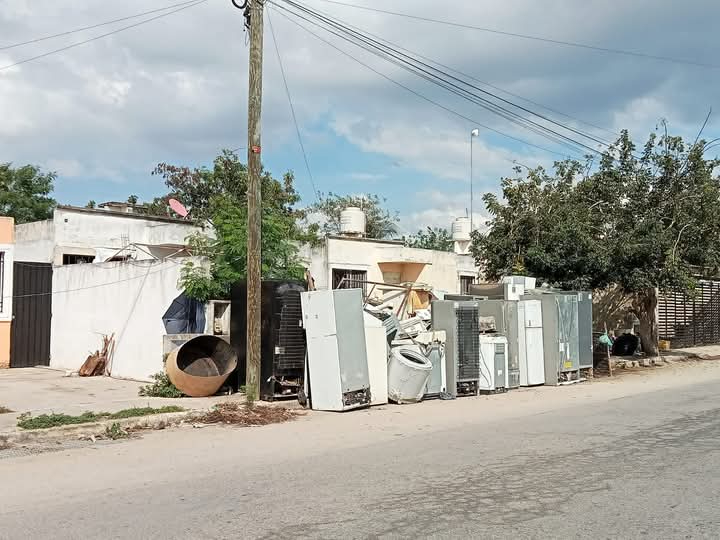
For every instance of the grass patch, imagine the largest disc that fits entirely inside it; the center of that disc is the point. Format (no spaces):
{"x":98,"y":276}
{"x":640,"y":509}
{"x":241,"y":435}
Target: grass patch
{"x":162,"y":387}
{"x":5,"y":410}
{"x":46,"y":421}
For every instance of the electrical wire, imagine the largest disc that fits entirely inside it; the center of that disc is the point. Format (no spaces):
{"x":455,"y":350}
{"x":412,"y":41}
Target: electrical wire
{"x":471,"y":77}
{"x":94,"y":286}
{"x":414,"y":92}
{"x":82,"y":29}
{"x":450,"y":83}
{"x":530,"y":37}
{"x":292,"y":108}
{"x":72,"y":45}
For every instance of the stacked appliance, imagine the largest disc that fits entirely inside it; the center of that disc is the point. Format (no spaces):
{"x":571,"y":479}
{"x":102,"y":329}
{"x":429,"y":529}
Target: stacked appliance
{"x":530,"y":351}
{"x":493,"y":363}
{"x":561,"y":343}
{"x":376,"y":345}
{"x":282,"y":363}
{"x":337,"y":361}
{"x":505,"y":314}
{"x":461,"y":323}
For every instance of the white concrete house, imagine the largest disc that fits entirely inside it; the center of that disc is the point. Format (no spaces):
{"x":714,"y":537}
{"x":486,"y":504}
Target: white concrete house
{"x":387,"y":261}
{"x":76,"y":235}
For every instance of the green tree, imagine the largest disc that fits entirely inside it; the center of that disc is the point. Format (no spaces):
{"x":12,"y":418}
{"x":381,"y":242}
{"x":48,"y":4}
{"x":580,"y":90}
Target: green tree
{"x":219,"y":196}
{"x":25,"y":193}
{"x":132,"y":199}
{"x":91,"y":204}
{"x":645,"y":222}
{"x":431,"y":238}
{"x":380,"y":223}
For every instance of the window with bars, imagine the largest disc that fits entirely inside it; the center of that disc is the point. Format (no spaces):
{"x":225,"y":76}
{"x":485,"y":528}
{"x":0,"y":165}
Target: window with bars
{"x":349,"y":279}
{"x":465,"y":282}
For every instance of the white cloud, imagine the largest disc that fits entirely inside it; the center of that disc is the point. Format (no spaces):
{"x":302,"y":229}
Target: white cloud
{"x":440,"y":209}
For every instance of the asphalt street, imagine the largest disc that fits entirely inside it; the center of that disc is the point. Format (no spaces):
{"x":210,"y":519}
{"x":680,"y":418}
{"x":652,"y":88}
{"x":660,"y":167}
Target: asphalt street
{"x":605,"y":461}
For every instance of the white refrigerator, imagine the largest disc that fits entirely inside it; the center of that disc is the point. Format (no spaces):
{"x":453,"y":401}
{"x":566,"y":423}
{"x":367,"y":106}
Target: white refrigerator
{"x":530,"y":343}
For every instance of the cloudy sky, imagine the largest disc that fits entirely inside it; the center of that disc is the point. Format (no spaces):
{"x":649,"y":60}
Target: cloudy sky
{"x":175,"y":90}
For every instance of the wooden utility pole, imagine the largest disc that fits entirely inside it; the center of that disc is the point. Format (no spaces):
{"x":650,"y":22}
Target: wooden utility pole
{"x":254,"y":277}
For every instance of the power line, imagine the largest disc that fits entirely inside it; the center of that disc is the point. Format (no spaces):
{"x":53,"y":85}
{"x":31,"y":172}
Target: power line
{"x":463,"y":74}
{"x":99,"y":285}
{"x":449,"y":82}
{"x":417,"y":94}
{"x":69,"y":32}
{"x":530,"y":37}
{"x":292,"y":108}
{"x":72,"y":45}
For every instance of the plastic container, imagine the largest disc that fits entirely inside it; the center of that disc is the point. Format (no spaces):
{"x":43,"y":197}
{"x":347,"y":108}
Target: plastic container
{"x":408,"y":373}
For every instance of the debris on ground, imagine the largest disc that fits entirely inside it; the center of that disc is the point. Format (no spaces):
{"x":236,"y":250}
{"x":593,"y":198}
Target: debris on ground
{"x":99,"y":362}
{"x":5,"y":410}
{"x":245,"y":414}
{"x":115,"y":432}
{"x":46,"y":421}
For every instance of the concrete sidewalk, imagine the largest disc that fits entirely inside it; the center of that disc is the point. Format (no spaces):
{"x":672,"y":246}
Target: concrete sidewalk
{"x":41,"y":391}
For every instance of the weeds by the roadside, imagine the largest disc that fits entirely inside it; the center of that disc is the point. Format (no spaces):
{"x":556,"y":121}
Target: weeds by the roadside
{"x":247,"y":415}
{"x":115,"y":432}
{"x":45,"y":421}
{"x":5,"y":410}
{"x":162,"y":387}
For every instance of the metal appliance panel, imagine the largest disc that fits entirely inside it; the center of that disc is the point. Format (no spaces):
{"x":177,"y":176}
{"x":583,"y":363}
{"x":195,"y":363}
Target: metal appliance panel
{"x":468,"y":351}
{"x":443,"y":318}
{"x":585,"y":329}
{"x":534,"y":356}
{"x":436,"y":383}
{"x":501,"y":366}
{"x":352,"y":351}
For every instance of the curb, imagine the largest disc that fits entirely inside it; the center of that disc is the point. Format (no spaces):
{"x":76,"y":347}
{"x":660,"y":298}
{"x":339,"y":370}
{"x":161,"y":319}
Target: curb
{"x":154,"y":421}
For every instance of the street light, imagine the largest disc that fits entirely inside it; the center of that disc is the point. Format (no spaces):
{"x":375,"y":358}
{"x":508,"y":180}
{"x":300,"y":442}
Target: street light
{"x":474,"y":133}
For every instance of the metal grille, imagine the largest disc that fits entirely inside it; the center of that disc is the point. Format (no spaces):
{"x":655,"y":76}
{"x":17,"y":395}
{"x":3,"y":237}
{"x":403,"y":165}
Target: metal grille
{"x":350,"y":279}
{"x":468,"y":343}
{"x":689,"y":321}
{"x":465,"y":282}
{"x":290,"y":348}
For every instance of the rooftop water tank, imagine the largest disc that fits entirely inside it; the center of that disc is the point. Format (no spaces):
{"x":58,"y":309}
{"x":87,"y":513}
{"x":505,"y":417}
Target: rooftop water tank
{"x":461,"y":229}
{"x":352,"y":222}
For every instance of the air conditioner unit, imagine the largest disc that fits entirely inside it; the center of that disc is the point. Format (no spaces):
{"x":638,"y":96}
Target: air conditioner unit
{"x":337,"y":361}
{"x":493,"y":364}
{"x":282,"y":361}
{"x":461,"y":323}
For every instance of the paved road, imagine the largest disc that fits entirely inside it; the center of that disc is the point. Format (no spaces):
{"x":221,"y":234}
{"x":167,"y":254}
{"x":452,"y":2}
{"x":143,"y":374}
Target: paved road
{"x":585,"y":463}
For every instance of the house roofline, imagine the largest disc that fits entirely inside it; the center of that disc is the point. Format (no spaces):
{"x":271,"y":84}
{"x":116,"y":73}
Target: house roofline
{"x":82,"y":210}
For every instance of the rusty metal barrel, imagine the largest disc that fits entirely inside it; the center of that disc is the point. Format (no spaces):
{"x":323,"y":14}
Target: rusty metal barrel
{"x":200,"y":366}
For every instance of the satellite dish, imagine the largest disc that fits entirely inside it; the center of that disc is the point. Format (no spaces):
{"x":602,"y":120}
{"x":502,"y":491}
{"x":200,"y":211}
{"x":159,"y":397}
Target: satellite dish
{"x":178,"y":207}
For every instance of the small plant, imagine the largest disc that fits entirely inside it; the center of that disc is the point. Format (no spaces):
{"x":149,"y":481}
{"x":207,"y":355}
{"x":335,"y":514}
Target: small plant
{"x":115,"y":432}
{"x":5,"y":410}
{"x":162,"y":387}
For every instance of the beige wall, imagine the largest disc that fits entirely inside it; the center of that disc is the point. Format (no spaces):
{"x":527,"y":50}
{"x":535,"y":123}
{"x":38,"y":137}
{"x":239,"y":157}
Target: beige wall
{"x":5,"y":344}
{"x":7,"y":234}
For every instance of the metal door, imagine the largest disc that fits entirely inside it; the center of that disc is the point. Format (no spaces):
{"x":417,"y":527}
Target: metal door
{"x":32,"y":311}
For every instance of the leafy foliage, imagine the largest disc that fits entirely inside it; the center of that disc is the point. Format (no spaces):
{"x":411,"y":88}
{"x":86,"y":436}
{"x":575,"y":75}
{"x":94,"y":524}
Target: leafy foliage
{"x":25,"y":193}
{"x":431,"y":238}
{"x":219,"y":196}
{"x":380,"y":223}
{"x":644,"y":222}
{"x":162,"y":387}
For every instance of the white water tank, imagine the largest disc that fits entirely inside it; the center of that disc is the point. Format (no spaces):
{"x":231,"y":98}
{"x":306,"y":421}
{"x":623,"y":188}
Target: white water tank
{"x":461,"y":229}
{"x":352,"y":222}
